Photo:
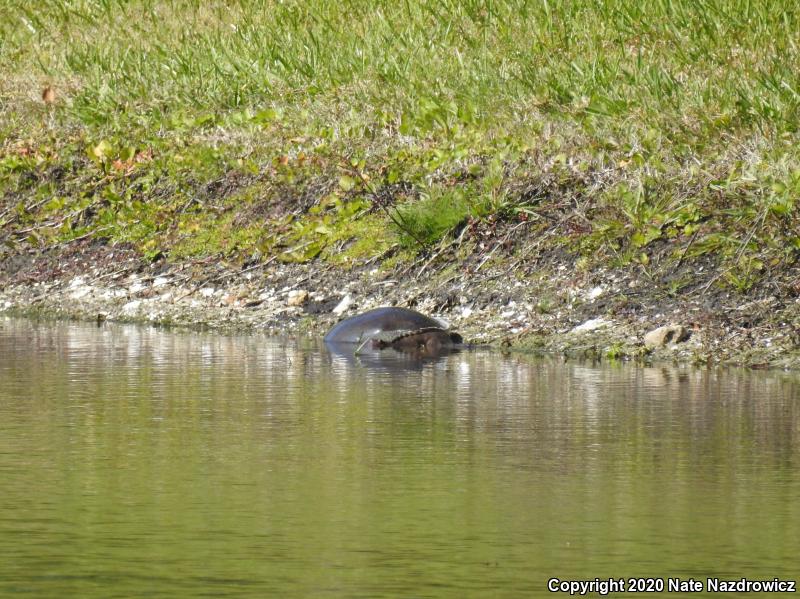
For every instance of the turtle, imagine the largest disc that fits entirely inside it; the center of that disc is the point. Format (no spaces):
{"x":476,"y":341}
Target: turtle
{"x":401,"y":329}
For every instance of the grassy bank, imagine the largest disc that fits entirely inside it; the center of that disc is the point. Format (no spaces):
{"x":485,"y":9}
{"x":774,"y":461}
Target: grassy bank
{"x":650,"y":134}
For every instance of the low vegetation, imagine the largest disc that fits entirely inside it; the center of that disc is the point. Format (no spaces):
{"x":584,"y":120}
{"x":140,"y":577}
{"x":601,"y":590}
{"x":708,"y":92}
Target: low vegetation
{"x":351,"y":131}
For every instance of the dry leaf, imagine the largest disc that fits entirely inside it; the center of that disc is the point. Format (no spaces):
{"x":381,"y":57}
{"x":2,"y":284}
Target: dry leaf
{"x":144,"y":156}
{"x":48,"y":95}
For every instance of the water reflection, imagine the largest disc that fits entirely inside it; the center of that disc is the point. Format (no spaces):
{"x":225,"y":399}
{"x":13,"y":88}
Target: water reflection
{"x":347,"y":356}
{"x":141,"y":461}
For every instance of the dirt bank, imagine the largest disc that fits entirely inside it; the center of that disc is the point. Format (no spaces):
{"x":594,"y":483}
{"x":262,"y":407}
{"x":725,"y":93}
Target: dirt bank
{"x":504,"y":294}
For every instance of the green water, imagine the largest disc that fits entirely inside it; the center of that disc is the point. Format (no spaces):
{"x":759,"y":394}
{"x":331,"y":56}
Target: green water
{"x":143,"y":463}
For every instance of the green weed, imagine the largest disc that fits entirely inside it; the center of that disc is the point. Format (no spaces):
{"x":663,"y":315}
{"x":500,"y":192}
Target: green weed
{"x":425,"y":222}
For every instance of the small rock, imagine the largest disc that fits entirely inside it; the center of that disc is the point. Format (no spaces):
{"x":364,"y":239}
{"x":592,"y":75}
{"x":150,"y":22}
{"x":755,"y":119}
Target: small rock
{"x":663,"y":336}
{"x":160,"y":281}
{"x":297,"y":297}
{"x":343,"y":305}
{"x":595,"y":292}
{"x":80,"y":292}
{"x":136,"y":287}
{"x":131,"y":308}
{"x":207,"y":291}
{"x":591,"y":325}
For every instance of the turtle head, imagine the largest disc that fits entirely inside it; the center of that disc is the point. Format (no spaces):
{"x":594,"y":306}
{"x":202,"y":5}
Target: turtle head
{"x":426,"y":342}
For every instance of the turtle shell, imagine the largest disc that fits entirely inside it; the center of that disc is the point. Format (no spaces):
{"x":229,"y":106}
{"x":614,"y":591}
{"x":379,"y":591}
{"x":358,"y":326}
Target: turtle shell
{"x":384,"y":324}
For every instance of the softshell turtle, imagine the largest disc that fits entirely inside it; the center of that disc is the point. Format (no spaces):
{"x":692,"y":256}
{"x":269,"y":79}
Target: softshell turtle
{"x":397,"y":328}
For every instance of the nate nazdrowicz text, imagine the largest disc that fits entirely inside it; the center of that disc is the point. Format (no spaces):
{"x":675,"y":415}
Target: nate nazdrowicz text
{"x":605,"y":586}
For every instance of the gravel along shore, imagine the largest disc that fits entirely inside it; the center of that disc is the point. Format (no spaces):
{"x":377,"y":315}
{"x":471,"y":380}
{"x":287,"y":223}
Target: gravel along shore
{"x":545,"y":307}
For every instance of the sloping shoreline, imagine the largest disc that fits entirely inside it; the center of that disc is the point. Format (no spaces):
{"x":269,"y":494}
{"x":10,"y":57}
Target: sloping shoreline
{"x":544,"y":305}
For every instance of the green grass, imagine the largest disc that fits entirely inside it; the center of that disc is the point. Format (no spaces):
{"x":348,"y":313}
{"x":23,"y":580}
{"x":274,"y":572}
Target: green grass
{"x":712,"y":63}
{"x":665,"y":120}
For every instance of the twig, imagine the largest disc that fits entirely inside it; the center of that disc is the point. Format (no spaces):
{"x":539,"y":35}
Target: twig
{"x":219,"y":277}
{"x":84,"y":236}
{"x":741,"y":251}
{"x":384,"y":254}
{"x":377,"y":200}
{"x":360,"y":347}
{"x":686,"y":249}
{"x":714,"y":279}
{"x":489,"y":255}
{"x":498,"y":244}
{"x":16,"y":216}
{"x":112,"y":275}
{"x":442,"y":249}
{"x":259,"y":265}
{"x":752,"y":232}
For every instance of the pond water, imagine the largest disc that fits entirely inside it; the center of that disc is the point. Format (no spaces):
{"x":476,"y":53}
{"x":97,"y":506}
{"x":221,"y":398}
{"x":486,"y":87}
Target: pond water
{"x":139,"y":462}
